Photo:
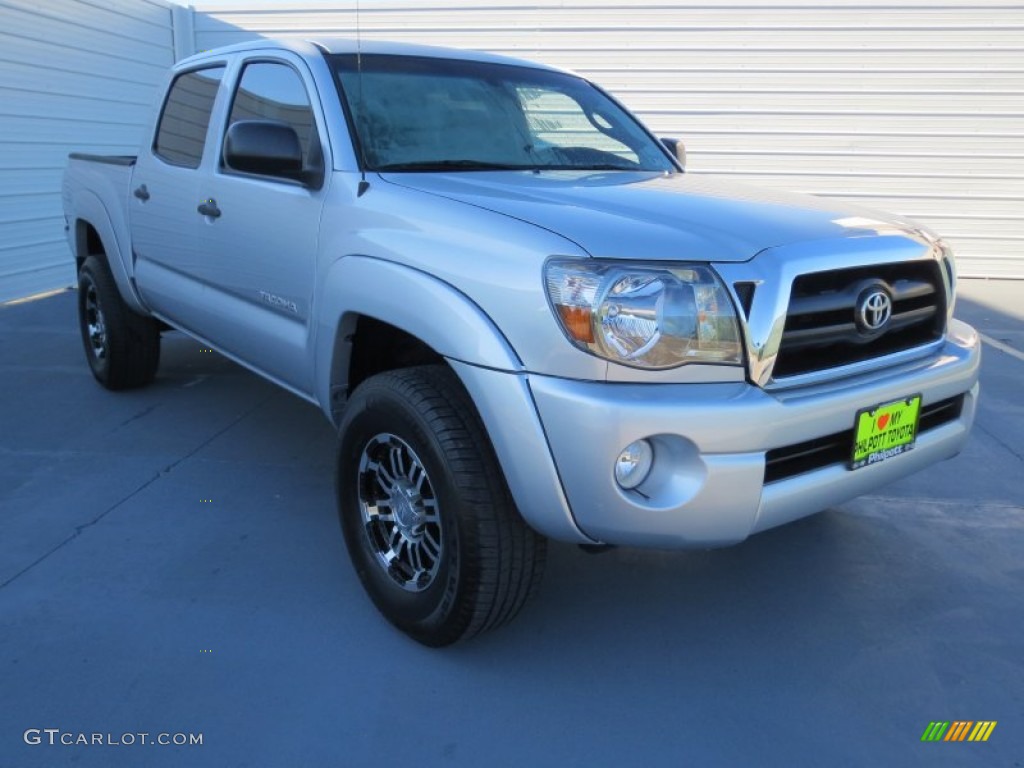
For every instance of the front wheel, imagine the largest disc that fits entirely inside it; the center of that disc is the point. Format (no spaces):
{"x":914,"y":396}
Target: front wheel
{"x":429,"y":522}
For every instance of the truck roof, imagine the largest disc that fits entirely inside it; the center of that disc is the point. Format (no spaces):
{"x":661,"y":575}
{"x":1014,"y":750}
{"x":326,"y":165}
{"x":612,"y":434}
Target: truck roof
{"x":329,"y":45}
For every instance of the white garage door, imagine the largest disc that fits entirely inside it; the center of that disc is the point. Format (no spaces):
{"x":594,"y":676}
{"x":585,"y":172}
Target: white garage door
{"x":74,"y":76}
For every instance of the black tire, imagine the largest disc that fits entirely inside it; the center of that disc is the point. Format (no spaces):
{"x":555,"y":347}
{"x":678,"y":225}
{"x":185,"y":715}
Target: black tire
{"x":122,"y":346}
{"x":432,"y":531}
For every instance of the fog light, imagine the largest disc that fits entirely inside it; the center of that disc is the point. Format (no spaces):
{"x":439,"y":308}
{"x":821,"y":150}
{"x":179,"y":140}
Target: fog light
{"x":634,"y":464}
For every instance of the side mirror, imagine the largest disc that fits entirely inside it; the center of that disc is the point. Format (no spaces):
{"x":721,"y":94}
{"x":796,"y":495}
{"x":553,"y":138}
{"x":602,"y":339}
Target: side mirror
{"x":265,"y":147}
{"x":678,"y":151}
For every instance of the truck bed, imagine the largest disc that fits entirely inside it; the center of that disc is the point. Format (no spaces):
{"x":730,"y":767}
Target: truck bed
{"x":96,"y":189}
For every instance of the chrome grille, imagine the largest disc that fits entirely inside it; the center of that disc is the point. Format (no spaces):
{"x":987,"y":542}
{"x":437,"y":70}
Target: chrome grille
{"x":829,"y":320}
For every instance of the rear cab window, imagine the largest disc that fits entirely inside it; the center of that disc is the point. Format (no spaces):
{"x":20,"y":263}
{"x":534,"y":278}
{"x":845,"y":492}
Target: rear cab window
{"x":185,"y":118}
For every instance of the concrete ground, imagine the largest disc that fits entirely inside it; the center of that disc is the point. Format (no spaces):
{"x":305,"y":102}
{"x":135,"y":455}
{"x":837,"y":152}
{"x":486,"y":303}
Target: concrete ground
{"x":171,"y":562}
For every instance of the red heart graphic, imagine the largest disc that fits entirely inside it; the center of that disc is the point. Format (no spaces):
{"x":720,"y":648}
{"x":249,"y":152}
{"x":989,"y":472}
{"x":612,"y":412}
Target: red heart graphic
{"x":882,"y":421}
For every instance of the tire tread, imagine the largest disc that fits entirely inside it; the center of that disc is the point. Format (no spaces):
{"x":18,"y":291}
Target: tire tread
{"x":509,"y":556}
{"x":133,"y":341}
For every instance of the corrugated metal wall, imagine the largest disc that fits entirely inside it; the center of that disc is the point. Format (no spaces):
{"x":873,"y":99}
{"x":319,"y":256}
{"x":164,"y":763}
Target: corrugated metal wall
{"x":908,"y":106}
{"x":75,"y":75}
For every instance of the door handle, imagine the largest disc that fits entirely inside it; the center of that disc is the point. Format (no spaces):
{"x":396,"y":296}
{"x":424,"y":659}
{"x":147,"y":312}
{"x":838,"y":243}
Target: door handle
{"x":142,"y":193}
{"x":209,"y":208}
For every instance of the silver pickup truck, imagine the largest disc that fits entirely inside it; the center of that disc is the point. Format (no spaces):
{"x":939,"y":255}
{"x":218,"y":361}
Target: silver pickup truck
{"x":524,"y":319}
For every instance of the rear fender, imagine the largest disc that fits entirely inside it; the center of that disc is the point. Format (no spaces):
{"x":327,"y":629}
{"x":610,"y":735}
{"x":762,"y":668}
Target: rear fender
{"x":90,"y":210}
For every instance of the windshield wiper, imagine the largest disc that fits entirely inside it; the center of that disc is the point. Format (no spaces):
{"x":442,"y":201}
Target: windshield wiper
{"x":453,"y":165}
{"x":590,"y":167}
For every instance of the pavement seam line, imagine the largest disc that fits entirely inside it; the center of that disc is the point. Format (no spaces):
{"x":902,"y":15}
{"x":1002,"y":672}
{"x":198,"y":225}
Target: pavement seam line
{"x":1007,"y":506}
{"x":166,"y":470}
{"x":996,"y":437}
{"x":83,"y":526}
{"x":1002,"y":347}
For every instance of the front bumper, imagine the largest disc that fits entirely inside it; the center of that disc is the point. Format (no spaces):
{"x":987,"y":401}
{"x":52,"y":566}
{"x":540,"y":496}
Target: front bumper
{"x":707,"y":487}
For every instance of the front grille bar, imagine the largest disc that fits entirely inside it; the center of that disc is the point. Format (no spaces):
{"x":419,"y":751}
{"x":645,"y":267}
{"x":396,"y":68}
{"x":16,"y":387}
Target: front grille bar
{"x":827,"y":318}
{"x":821,"y":329}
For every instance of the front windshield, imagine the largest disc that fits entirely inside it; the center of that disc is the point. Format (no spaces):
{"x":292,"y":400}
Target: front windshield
{"x":416,"y":113}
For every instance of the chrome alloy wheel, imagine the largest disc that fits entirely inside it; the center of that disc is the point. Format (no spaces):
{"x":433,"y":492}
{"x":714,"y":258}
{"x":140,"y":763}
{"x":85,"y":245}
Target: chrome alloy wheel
{"x":96,"y":328}
{"x":399,"y":512}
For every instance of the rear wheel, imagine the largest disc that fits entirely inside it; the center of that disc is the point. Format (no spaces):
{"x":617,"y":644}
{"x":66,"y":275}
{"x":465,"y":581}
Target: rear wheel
{"x":428,"y":519}
{"x":122,"y":346}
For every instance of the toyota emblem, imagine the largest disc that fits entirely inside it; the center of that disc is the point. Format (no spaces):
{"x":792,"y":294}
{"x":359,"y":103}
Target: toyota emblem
{"x":874,"y":310}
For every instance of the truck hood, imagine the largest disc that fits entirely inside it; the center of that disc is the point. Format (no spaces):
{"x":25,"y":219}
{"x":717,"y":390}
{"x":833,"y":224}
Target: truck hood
{"x":653,"y":216}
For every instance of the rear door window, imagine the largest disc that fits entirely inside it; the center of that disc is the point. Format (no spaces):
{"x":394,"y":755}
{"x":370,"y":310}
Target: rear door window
{"x":181,"y":134}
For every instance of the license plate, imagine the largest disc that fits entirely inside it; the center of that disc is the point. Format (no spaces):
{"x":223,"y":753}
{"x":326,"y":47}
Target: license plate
{"x":883,"y":431}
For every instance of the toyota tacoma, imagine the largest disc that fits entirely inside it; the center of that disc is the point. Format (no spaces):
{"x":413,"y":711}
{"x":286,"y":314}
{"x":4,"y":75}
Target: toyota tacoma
{"x":523,"y":317}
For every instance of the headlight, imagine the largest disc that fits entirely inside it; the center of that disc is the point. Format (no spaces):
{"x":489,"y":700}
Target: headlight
{"x":644,"y":316}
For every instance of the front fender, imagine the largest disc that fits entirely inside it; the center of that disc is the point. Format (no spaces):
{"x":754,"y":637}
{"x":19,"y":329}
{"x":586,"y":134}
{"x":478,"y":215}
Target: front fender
{"x":454,"y":326}
{"x":423,"y":306}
